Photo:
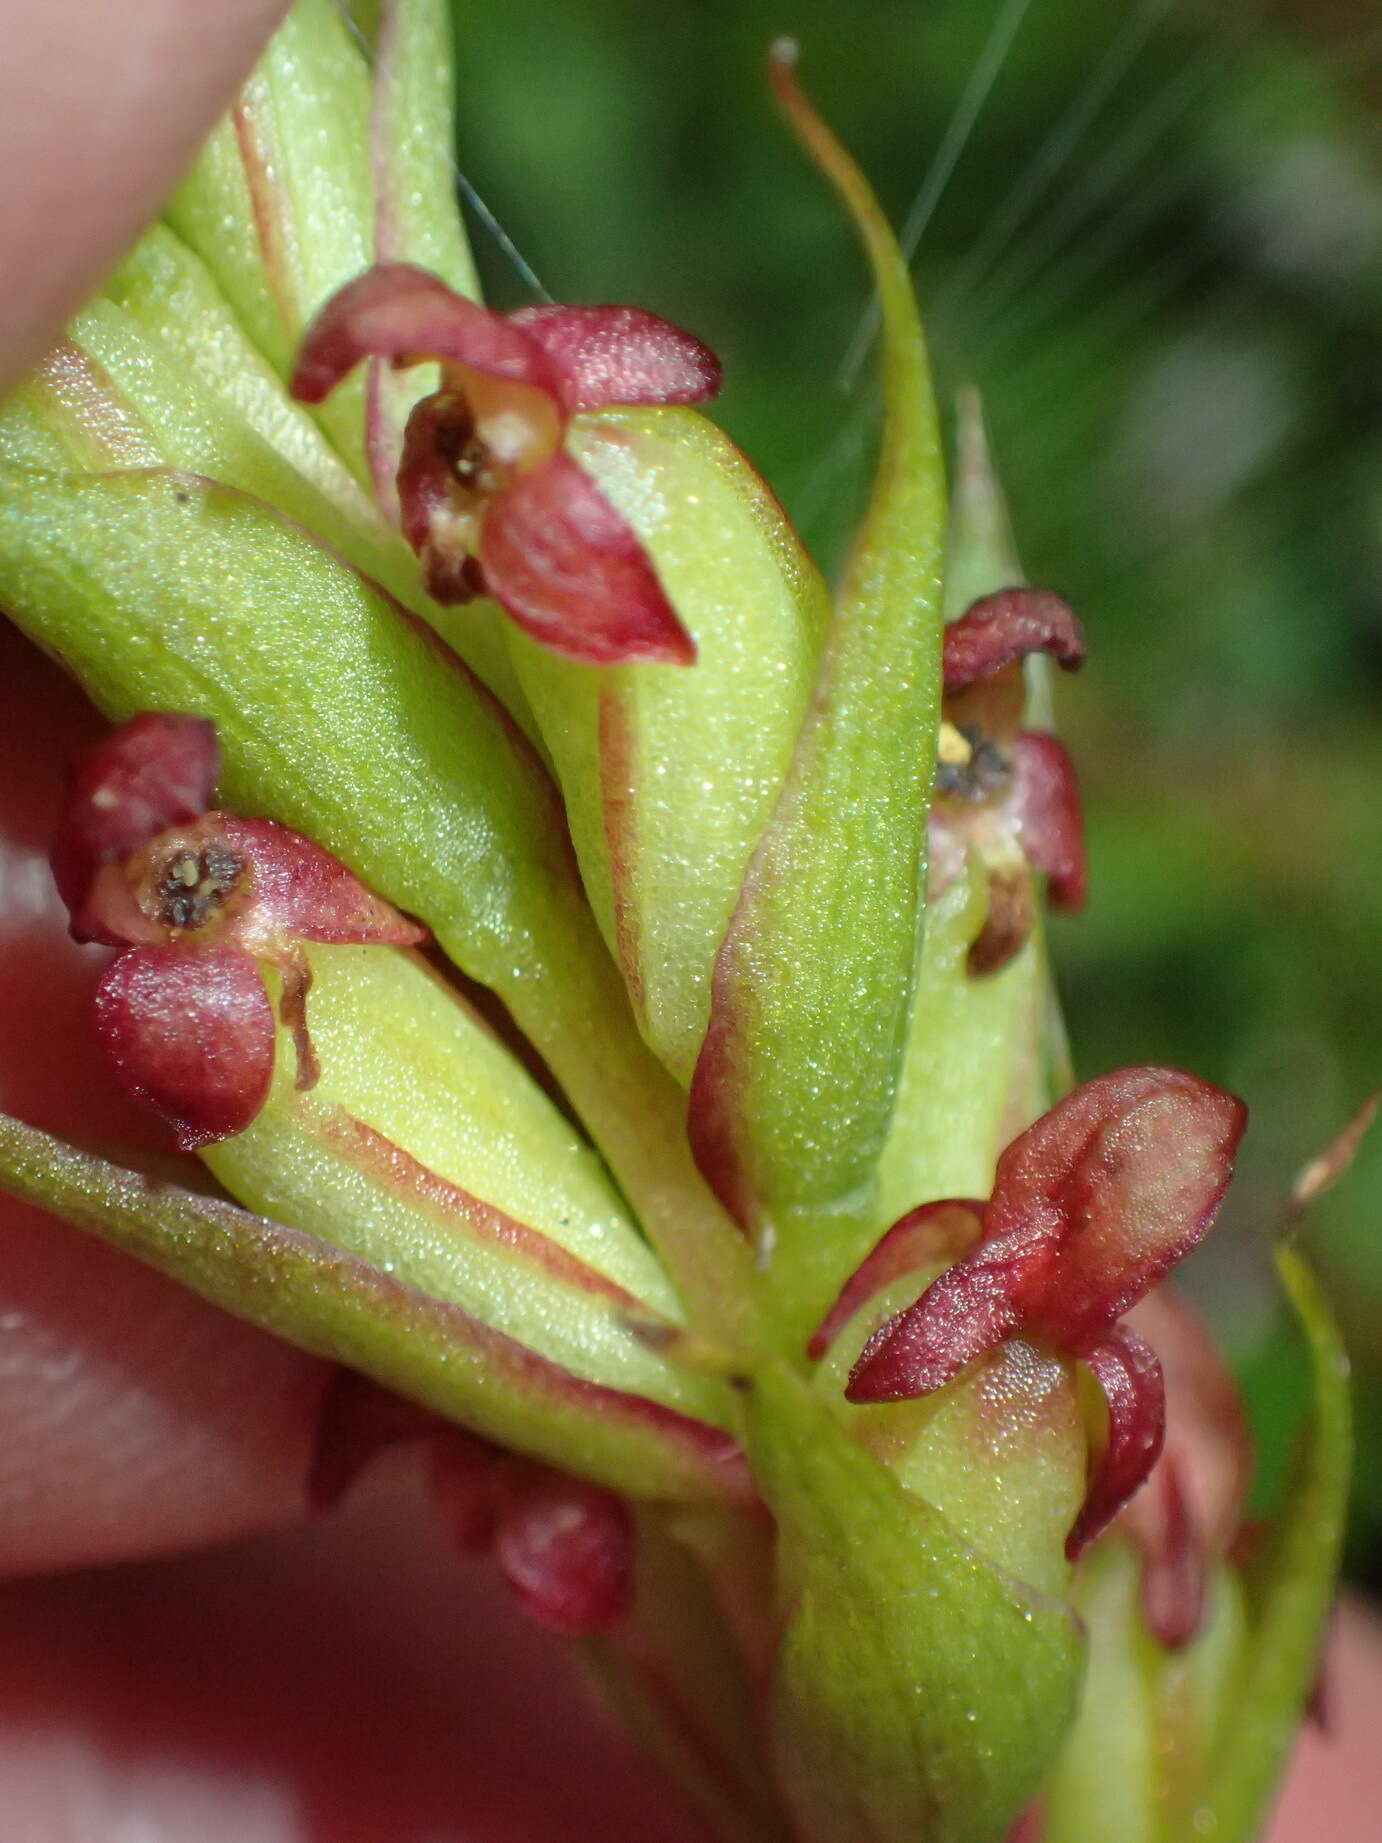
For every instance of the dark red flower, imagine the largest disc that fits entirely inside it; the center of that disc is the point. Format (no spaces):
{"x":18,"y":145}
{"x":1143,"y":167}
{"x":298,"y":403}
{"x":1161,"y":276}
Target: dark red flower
{"x":1091,"y":1207}
{"x":1007,"y":794}
{"x":490,"y":500}
{"x":198,"y":899}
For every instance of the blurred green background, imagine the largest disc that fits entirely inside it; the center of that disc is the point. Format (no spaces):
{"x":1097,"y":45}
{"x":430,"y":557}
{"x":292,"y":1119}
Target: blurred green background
{"x":1159,"y":254}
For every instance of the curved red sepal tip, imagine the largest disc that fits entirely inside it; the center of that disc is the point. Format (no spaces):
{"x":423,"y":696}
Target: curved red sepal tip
{"x":1044,"y":801}
{"x":934,"y":1233}
{"x":1128,"y":1373}
{"x":1090,"y":1208}
{"x":566,"y":1549}
{"x":1000,"y":629}
{"x":620,"y":355}
{"x":190,"y":1033}
{"x":399,"y":312}
{"x":303,"y":893}
{"x":153,"y":772}
{"x":568,"y":568}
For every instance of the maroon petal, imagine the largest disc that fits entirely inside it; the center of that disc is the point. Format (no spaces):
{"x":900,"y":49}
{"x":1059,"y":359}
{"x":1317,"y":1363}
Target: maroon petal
{"x":1128,"y":1171}
{"x":1129,"y":1375}
{"x":966,"y":1312}
{"x":153,"y":772}
{"x":1191,"y":1510}
{"x":925,"y":1237}
{"x":1175,"y":1565}
{"x":192,"y":1033}
{"x":400,"y":312}
{"x":301,"y":892}
{"x":566,"y":1549}
{"x":570,"y":571}
{"x":1000,"y":629}
{"x":1044,"y":802}
{"x":606,"y":355}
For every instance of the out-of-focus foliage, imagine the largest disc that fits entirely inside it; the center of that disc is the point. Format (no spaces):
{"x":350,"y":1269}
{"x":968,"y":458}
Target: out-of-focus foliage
{"x":1160,"y":256}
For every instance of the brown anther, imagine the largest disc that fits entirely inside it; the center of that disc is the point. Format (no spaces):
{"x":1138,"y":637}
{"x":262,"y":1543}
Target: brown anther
{"x":970,"y":764}
{"x":195,"y":883}
{"x":468,"y":459}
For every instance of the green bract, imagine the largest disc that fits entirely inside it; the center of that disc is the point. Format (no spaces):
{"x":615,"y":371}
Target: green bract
{"x":916,"y":1691}
{"x":797,"y":1078}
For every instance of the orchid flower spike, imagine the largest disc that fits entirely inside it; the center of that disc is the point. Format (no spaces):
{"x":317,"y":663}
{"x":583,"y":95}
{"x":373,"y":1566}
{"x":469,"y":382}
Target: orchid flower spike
{"x":197,"y":900}
{"x":1006,"y":793}
{"x":1091,"y":1207}
{"x":491,"y":501}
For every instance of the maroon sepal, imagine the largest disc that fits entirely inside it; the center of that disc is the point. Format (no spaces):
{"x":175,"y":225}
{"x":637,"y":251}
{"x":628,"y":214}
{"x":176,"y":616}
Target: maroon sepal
{"x":935,"y":1234}
{"x":999,"y":630}
{"x":566,"y":1549}
{"x":584,"y":358}
{"x":464,"y":1482}
{"x":570,"y":571}
{"x":610,"y":355}
{"x":190,"y":1033}
{"x":1111,"y":1188}
{"x":563,"y":1545}
{"x":153,"y":772}
{"x":297,"y":891}
{"x":1128,"y":1373}
{"x":1044,"y":803}
{"x":960,"y":1316}
{"x":406,"y":314}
